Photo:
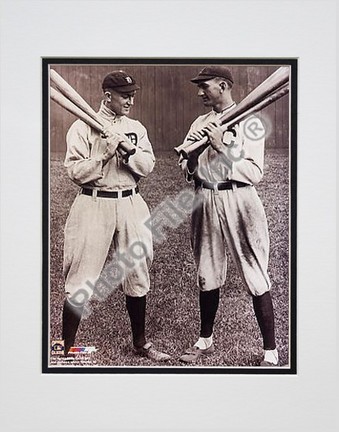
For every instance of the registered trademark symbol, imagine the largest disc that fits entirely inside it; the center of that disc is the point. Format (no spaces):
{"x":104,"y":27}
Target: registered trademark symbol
{"x":254,"y":128}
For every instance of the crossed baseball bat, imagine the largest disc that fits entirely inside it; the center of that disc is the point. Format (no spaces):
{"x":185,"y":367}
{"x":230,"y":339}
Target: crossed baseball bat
{"x":68,"y":98}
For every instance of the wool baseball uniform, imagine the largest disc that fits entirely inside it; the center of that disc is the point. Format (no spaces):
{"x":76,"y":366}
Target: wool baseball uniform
{"x":95,"y":222}
{"x":232,"y":219}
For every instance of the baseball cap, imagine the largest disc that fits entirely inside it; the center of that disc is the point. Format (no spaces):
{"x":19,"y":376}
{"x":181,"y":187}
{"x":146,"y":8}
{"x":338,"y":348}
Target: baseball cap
{"x":119,"y":81}
{"x":210,"y":72}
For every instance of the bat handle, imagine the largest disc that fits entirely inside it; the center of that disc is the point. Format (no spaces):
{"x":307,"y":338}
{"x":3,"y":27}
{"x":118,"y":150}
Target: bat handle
{"x":197,"y":145}
{"x":123,"y":153}
{"x":127,"y":148}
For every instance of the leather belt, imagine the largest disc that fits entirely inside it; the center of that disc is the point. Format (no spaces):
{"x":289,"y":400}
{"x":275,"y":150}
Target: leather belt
{"x":110,"y":194}
{"x":219,"y":185}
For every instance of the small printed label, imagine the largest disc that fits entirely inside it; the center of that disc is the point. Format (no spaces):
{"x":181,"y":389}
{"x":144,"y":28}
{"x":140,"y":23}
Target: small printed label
{"x":57,"y":348}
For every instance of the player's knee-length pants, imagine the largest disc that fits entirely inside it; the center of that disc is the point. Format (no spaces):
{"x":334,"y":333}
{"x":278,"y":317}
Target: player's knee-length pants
{"x":92,"y":225}
{"x":231,"y":220}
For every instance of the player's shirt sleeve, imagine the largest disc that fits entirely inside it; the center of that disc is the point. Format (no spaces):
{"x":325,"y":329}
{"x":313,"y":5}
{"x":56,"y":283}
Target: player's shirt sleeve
{"x":81,"y":167}
{"x":142,"y":161}
{"x":195,"y":126}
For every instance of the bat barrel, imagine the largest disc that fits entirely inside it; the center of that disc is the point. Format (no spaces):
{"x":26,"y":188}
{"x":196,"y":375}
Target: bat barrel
{"x":279,"y":78}
{"x":70,"y":93}
{"x":73,"y":109}
{"x":282,"y":91}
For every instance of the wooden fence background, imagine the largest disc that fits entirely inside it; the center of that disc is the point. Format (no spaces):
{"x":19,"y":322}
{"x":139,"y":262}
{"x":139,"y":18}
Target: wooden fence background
{"x":167,"y":102}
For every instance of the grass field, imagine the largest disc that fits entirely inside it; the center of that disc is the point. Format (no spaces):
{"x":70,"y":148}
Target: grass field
{"x":172,"y":305}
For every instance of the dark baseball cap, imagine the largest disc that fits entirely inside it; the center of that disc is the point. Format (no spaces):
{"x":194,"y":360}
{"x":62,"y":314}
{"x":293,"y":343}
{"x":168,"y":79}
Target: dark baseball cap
{"x":119,"y":81}
{"x":210,"y":72}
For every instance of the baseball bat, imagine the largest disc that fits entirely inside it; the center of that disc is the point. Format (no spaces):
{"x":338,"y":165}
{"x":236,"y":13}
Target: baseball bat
{"x":282,"y":91}
{"x":61,"y":100}
{"x":268,"y":87}
{"x":68,"y":91}
{"x":73,"y":96}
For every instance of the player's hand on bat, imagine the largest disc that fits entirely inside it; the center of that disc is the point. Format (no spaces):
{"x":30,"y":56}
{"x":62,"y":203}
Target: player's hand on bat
{"x":215,"y":135}
{"x":113,"y":139}
{"x":196,"y":136}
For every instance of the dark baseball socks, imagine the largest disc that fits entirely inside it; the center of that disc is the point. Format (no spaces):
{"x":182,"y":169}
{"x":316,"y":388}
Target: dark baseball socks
{"x":71,"y":317}
{"x":136,"y":307}
{"x":263,"y":309}
{"x":72,"y":312}
{"x":209,"y":302}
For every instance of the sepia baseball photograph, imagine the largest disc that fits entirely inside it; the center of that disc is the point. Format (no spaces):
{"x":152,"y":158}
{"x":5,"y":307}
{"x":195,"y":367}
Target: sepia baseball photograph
{"x":169,"y":215}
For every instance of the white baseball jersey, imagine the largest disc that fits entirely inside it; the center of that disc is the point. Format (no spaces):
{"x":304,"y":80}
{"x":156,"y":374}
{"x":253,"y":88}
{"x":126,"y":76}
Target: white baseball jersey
{"x":242,"y":162}
{"x":84,"y":144}
{"x":95,"y":222}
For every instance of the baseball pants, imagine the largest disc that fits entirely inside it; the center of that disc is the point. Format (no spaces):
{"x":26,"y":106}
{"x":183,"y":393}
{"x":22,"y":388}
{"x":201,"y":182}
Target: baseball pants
{"x":92,"y":225}
{"x":231,"y":220}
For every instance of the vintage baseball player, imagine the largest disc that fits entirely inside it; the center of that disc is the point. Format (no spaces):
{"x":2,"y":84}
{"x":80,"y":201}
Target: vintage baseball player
{"x":109,"y":211}
{"x":227,"y":213}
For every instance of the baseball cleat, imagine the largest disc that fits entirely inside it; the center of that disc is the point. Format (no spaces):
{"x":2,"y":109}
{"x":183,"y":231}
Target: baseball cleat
{"x":151,"y":353}
{"x":192,"y":354}
{"x":271,"y":358}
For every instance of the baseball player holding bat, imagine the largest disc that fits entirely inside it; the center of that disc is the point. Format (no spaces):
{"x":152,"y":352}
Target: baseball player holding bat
{"x":108,"y":210}
{"x":228,"y":214}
